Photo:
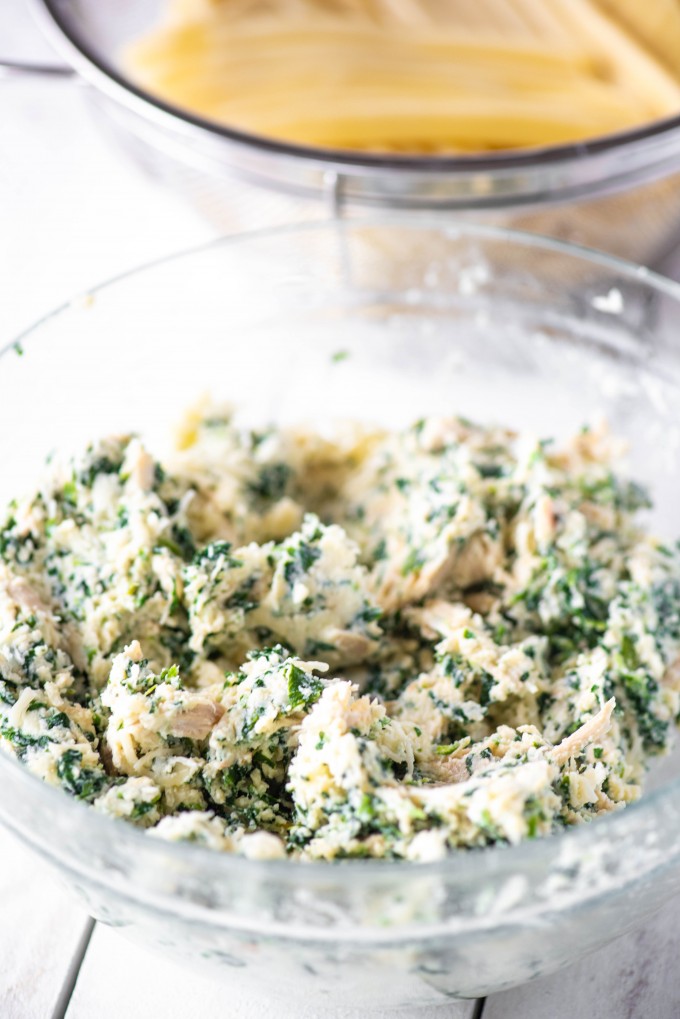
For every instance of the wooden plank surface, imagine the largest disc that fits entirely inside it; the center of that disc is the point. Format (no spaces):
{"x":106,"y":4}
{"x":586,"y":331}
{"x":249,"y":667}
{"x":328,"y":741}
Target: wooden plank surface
{"x":40,"y":931}
{"x":635,"y":977}
{"x":119,"y":979}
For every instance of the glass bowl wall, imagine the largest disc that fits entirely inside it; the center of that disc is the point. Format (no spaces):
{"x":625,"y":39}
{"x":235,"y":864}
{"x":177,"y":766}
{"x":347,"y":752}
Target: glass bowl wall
{"x":487,"y":324}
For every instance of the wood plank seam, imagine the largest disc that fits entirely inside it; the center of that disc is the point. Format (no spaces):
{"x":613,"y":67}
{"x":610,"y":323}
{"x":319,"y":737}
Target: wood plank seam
{"x":71,"y":978}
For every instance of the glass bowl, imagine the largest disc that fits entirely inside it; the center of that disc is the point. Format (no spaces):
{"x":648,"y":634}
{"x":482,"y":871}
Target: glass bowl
{"x":489,"y":324}
{"x":613,"y":192}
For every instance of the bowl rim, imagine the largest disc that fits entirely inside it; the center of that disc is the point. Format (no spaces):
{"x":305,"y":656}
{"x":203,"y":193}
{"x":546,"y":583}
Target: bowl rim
{"x":103,"y":74}
{"x":393,"y":219}
{"x":473,"y":864}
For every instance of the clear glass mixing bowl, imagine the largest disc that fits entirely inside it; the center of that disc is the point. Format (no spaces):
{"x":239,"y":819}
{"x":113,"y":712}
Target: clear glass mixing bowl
{"x":614,"y":192}
{"x":481,"y":322}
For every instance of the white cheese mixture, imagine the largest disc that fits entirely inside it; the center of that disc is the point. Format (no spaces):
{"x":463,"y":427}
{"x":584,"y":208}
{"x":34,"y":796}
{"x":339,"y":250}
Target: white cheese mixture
{"x":386,"y":644}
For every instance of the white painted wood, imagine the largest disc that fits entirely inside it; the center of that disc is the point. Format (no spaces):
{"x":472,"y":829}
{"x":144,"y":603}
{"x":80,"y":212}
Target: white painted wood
{"x":40,"y":928}
{"x":73,"y":210}
{"x":121,"y":979}
{"x":636,"y":977}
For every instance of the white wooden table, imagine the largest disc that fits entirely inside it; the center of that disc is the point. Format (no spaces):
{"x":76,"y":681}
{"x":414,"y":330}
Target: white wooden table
{"x":71,"y":214}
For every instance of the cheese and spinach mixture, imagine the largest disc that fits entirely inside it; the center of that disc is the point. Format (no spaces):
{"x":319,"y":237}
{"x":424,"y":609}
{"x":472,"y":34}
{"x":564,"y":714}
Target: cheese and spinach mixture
{"x":382,"y":644}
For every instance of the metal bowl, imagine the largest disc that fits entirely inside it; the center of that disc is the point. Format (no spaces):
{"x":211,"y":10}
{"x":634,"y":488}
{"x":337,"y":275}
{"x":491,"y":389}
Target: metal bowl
{"x":613,"y":192}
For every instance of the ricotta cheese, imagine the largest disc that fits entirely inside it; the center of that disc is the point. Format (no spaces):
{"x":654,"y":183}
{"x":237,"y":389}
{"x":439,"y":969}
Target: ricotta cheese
{"x":390,"y":645}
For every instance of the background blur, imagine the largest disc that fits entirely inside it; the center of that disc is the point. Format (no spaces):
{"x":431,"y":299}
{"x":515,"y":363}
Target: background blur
{"x":72,"y":212}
